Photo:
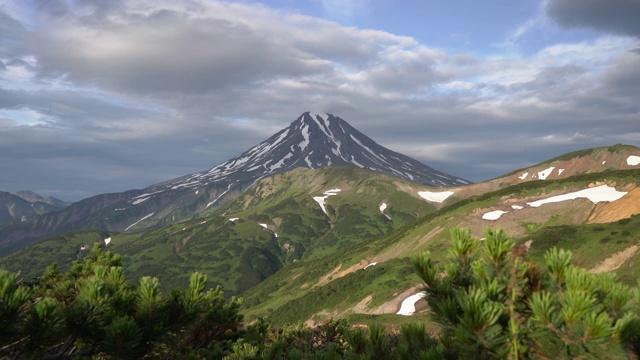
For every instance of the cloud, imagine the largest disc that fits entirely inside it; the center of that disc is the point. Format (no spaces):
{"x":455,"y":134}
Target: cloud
{"x":613,"y":16}
{"x":123,"y":95}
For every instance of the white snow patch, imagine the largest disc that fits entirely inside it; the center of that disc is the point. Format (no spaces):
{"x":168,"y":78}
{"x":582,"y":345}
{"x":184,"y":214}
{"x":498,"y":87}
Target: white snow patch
{"x":438,"y":197}
{"x":140,"y":200}
{"x":542,"y":175}
{"x":364,"y":146}
{"x":188,"y":184}
{"x":408,"y":306}
{"x":493,"y":215}
{"x":560,"y":171}
{"x":369,"y":265}
{"x":221,"y":195}
{"x":305,"y":135}
{"x":106,"y":242}
{"x":633,"y":160}
{"x":146,"y":195}
{"x":322,"y":125}
{"x":279,"y":164}
{"x":383,"y":207}
{"x":85,"y":248}
{"x":263,"y":225}
{"x":144,"y":218}
{"x":204,"y":222}
{"x":233,"y":219}
{"x":517,"y":207}
{"x":321,"y":199}
{"x":604,"y":162}
{"x":595,"y":195}
{"x":197,"y":191}
{"x":309,"y":164}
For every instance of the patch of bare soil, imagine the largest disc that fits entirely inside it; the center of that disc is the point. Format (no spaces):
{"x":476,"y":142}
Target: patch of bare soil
{"x":390,"y":307}
{"x":620,"y":209}
{"x":616,"y":260}
{"x":337,"y":273}
{"x":513,"y":221}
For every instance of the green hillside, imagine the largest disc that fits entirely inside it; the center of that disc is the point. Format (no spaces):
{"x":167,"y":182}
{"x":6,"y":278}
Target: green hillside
{"x":292,"y":261}
{"x":294,"y":293}
{"x":275,"y":223}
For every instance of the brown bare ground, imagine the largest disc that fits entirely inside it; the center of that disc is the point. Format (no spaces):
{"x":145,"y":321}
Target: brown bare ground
{"x":390,"y":307}
{"x":620,"y":209}
{"x":616,"y":260}
{"x":337,"y":273}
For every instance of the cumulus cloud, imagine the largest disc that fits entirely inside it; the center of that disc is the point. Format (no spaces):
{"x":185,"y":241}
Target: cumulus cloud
{"x":614,"y":16}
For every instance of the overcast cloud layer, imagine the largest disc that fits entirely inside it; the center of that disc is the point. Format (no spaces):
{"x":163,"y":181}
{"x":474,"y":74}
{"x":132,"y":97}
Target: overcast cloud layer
{"x":105,"y":96}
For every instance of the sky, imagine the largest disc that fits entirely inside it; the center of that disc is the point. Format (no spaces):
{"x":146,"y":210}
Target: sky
{"x":106,"y":96}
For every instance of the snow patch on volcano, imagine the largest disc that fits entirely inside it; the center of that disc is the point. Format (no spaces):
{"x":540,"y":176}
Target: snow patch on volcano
{"x":144,"y":218}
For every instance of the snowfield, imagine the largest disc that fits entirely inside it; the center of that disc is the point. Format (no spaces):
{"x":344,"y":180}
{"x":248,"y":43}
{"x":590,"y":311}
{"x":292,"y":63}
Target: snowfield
{"x":493,"y":215}
{"x":132,"y":225}
{"x":383,"y":207}
{"x":633,"y":160}
{"x":372,"y":264}
{"x":595,"y":195}
{"x":408,"y":306}
{"x":542,"y":175}
{"x":321,"y":199}
{"x":438,"y":197}
{"x":140,"y":200}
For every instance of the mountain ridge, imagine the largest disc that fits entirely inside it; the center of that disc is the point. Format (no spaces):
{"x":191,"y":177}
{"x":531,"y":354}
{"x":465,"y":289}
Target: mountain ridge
{"x":27,"y":203}
{"x":311,"y":140}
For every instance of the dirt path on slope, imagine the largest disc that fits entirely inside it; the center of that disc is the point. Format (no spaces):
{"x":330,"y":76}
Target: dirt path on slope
{"x":616,"y":260}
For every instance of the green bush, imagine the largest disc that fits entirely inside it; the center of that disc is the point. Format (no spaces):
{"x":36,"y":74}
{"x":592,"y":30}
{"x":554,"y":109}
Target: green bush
{"x":94,"y":312}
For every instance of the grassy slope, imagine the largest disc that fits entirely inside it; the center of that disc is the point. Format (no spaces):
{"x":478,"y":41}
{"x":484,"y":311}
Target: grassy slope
{"x":289,"y":295}
{"x":240,"y":254}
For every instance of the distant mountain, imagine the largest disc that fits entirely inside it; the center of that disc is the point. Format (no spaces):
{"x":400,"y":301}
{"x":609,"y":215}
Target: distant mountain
{"x":316,"y":141}
{"x":33,"y":197}
{"x":312,"y":141}
{"x":26,"y":203}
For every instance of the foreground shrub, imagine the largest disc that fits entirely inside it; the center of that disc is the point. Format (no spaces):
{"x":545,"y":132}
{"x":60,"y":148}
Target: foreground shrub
{"x":94,"y":312}
{"x":492,"y":302}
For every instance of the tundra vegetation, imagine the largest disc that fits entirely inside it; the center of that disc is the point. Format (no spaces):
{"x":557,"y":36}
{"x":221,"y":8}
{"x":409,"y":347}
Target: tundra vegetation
{"x":489,"y":299}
